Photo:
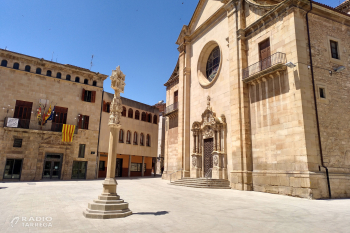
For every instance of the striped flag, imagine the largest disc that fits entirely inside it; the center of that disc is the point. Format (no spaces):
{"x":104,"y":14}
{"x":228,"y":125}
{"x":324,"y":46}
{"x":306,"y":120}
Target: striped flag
{"x":67,"y":133}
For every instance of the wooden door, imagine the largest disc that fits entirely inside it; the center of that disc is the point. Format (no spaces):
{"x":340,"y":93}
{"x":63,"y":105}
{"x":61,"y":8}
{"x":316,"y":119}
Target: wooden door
{"x":59,"y":118}
{"x":265,"y":54}
{"x":208,"y":157}
{"x":23,"y":112}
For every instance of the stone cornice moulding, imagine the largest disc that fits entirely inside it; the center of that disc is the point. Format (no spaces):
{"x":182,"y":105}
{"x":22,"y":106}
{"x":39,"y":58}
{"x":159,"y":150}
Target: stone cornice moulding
{"x":86,"y":86}
{"x":286,"y":5}
{"x":51,"y":65}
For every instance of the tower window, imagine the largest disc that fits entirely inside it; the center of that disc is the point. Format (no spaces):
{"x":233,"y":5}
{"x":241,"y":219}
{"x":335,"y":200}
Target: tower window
{"x":27,"y":68}
{"x":16,"y":66}
{"x":334,"y":49}
{"x":322,"y":93}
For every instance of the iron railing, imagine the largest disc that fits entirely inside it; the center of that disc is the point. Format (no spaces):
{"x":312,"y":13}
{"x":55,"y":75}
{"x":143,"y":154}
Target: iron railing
{"x":274,"y":59}
{"x":171,"y":108}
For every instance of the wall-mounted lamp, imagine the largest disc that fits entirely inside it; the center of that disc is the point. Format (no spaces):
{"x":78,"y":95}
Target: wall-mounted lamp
{"x":339,"y":69}
{"x":290,"y":64}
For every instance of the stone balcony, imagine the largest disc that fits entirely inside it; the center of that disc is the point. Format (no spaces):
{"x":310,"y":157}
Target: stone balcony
{"x":275,"y":62}
{"x":171,"y":108}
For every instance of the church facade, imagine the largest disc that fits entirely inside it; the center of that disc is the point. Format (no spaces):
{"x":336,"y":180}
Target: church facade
{"x":259,"y":96}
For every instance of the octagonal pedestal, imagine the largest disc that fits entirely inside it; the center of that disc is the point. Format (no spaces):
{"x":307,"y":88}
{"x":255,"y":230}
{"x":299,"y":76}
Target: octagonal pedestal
{"x":107,"y":206}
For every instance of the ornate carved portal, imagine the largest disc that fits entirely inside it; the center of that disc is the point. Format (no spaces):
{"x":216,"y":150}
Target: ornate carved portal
{"x":209,"y":138}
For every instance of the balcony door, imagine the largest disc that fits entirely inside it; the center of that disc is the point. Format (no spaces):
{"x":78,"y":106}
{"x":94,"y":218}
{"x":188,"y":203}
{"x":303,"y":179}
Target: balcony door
{"x":59,"y":118}
{"x":265,"y":54}
{"x":23,"y":111}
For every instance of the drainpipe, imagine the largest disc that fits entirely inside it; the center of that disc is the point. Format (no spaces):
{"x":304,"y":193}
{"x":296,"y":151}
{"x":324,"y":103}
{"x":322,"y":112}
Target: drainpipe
{"x":315,"y":101}
{"x":98,"y":140}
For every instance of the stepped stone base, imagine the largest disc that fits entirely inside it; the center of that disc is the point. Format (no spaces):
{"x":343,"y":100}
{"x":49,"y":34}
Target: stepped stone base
{"x":107,"y":206}
{"x":203,"y":183}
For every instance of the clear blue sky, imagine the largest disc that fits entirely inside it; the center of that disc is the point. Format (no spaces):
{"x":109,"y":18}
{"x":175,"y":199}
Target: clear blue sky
{"x":138,"y":35}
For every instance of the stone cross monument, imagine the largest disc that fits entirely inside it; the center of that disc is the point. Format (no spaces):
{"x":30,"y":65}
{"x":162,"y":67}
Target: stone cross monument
{"x":109,"y":204}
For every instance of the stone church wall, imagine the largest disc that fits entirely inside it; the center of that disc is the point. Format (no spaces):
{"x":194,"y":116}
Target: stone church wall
{"x":219,"y":92}
{"x":334,"y":110}
{"x":277,"y":124}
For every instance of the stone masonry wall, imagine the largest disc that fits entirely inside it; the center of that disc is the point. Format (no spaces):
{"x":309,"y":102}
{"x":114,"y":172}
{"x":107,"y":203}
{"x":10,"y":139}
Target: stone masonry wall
{"x":334,"y":110}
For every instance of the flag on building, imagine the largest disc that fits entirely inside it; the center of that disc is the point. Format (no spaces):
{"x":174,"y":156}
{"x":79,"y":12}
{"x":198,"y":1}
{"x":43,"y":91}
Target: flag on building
{"x":39,"y":113}
{"x":51,"y":115}
{"x":67,"y":133}
{"x":48,"y":114}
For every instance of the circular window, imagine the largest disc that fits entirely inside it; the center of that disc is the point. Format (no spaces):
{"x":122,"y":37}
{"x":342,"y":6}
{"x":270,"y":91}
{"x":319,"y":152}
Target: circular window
{"x":209,"y":64}
{"x":213,"y":63}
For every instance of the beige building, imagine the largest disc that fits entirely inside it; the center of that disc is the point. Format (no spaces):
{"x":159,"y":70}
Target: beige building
{"x":260,"y":97}
{"x":33,"y":151}
{"x":138,"y":138}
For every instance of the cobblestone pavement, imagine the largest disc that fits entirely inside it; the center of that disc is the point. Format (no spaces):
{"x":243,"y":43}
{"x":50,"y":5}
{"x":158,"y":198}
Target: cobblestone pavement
{"x":158,"y":207}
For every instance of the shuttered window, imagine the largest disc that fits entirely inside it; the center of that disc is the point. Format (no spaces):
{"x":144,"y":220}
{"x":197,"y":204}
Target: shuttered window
{"x":83,"y":122}
{"x":88,"y":96}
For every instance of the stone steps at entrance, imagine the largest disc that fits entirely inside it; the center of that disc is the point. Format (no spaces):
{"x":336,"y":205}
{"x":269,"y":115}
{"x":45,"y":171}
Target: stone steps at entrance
{"x":202,"y":183}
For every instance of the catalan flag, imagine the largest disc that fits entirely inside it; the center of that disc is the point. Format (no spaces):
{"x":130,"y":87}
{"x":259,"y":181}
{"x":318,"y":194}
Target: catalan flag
{"x":67,"y":133}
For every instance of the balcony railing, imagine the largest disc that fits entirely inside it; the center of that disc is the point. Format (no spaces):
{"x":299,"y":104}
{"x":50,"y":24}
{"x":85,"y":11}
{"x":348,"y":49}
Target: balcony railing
{"x":171,"y":108}
{"x":33,"y":125}
{"x":274,"y":59}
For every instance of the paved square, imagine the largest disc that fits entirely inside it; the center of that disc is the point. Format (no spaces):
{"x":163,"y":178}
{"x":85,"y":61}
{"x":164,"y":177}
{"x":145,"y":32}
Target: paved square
{"x":159,"y":207}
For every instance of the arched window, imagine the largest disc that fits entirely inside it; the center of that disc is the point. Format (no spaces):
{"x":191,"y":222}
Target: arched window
{"x":86,"y":81}
{"x":130,"y":113}
{"x":4,"y":63}
{"x":27,"y":68}
{"x":77,"y":79}
{"x":135,"y":138}
{"x":121,"y":136}
{"x":48,"y":73}
{"x":128,"y":137}
{"x":94,"y":83}
{"x":141,"y":139}
{"x":148,"y":140}
{"x":143,"y":116}
{"x":137,"y":115}
{"x":16,"y":66}
{"x":38,"y":71}
{"x":149,"y":117}
{"x":58,"y":75}
{"x":68,"y":77}
{"x":155,"y":120}
{"x":124,"y":112}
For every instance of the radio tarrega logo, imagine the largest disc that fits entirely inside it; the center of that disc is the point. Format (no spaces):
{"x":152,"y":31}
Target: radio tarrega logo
{"x":14,"y":221}
{"x":33,"y":221}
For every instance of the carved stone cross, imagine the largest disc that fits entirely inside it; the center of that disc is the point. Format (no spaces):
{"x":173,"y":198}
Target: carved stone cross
{"x":208,"y":102}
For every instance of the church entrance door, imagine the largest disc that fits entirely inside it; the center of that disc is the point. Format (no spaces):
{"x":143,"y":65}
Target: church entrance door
{"x":208,"y":158}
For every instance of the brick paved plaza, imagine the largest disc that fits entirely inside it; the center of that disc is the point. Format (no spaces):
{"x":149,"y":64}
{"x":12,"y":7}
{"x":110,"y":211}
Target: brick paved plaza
{"x":159,"y":207}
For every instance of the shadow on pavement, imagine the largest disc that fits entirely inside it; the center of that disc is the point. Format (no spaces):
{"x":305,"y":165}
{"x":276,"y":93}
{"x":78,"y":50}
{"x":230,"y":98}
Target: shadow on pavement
{"x":153,"y":213}
{"x":3,"y":187}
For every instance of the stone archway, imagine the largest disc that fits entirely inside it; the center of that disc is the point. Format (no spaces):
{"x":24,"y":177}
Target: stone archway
{"x":209,"y":138}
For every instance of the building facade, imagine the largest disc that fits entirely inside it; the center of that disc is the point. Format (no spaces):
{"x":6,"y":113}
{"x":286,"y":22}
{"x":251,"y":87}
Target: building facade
{"x":259,"y":96}
{"x":30,"y":150}
{"x":138,"y":139}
